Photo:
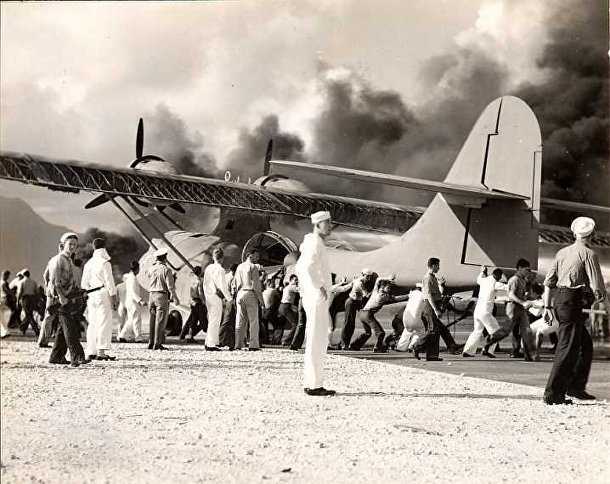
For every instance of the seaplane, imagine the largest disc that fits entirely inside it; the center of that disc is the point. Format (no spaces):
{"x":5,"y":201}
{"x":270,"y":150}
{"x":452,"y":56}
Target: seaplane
{"x":485,"y":212}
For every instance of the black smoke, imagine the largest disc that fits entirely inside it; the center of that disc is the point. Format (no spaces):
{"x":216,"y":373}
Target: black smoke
{"x":246,"y":160}
{"x":183,"y":150}
{"x":122,"y":248}
{"x":572,"y":104}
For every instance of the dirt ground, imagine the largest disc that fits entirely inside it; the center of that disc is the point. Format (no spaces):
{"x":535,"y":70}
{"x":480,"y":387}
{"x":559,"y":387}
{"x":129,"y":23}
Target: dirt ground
{"x":188,"y":415}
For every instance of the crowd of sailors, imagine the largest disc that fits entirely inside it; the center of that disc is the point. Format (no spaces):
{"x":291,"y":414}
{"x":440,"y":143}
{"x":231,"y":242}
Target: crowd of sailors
{"x":244,"y":308}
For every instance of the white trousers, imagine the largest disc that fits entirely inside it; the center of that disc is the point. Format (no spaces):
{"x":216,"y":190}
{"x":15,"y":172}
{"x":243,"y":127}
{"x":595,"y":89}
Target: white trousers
{"x":476,"y":339}
{"x":316,"y":339}
{"x":539,"y":327}
{"x":5,"y":315}
{"x":99,"y":315}
{"x":133,"y":322}
{"x":214,"y":305}
{"x":407,"y":340}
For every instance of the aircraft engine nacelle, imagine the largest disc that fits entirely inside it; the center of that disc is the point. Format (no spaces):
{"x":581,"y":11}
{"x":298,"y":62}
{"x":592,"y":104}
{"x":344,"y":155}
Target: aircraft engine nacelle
{"x":274,"y":248}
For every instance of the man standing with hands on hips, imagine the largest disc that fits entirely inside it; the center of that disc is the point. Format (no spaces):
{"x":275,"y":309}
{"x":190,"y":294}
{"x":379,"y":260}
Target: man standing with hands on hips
{"x":313,"y":270}
{"x":574,"y":268}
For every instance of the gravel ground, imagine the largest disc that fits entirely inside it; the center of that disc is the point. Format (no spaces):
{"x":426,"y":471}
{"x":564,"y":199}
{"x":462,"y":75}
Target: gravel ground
{"x":190,"y":416}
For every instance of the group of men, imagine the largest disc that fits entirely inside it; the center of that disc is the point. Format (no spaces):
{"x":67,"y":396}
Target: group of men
{"x":575,"y":269}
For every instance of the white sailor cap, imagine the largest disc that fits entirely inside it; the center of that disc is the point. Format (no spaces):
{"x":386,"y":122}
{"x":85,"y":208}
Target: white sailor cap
{"x":68,"y":235}
{"x":367,"y":272}
{"x":583,"y":226}
{"x":320,"y":217}
{"x":160,"y":252}
{"x":23,"y":271}
{"x":419,"y":285}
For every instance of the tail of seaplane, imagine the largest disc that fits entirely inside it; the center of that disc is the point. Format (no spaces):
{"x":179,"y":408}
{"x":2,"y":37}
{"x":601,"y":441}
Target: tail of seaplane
{"x":486,"y":211}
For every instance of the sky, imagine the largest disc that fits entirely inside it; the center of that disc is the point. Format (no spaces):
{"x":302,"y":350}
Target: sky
{"x":390,"y":86}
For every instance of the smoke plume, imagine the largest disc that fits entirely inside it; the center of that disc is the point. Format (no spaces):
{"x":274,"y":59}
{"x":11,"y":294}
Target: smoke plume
{"x":172,"y":141}
{"x":122,"y":248}
{"x":572,"y":103}
{"x":247,"y":158}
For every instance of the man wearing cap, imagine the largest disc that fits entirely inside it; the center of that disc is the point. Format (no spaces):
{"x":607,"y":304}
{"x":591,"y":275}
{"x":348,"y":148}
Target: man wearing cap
{"x":197,"y":320}
{"x":61,"y":290}
{"x":315,"y":282}
{"x":249,"y":299}
{"x":98,"y":281}
{"x":27,"y":293}
{"x":216,"y":293}
{"x":162,"y":291}
{"x":575,"y":268}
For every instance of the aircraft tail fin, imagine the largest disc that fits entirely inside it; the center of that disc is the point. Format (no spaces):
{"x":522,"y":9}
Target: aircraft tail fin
{"x":502,"y":153}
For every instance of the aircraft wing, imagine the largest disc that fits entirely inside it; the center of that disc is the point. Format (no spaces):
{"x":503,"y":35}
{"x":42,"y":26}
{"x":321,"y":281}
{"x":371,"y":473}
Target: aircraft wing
{"x":73,"y":177}
{"x":399,"y":181}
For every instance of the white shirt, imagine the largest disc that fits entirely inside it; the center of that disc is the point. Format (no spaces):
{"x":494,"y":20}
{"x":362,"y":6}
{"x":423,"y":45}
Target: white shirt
{"x":487,"y":293}
{"x":313,"y":267}
{"x":214,"y":278}
{"x":98,"y":272}
{"x":132,"y":289}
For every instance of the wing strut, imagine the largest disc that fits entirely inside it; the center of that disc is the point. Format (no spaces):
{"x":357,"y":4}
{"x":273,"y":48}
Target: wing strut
{"x":161,"y":235}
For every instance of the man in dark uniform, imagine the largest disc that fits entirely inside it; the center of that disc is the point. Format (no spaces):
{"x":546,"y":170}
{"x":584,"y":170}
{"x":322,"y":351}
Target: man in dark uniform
{"x":575,"y":267}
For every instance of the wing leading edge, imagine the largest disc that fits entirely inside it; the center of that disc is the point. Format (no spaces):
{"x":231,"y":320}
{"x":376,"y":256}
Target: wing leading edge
{"x":74,"y":177}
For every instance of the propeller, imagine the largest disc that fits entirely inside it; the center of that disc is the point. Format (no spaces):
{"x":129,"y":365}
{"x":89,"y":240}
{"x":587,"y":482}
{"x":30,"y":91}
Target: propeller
{"x":268,"y":157}
{"x":103,"y":198}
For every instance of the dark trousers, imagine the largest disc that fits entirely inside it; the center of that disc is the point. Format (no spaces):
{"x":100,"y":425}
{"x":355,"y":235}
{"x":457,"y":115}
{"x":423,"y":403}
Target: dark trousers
{"x":67,"y":335}
{"x":574,"y":351}
{"x":397,"y":328}
{"x":430,"y":340}
{"x":271,"y":316}
{"x":227,"y":326}
{"x":28,"y":303}
{"x":349,"y":322}
{"x":299,"y":334}
{"x":197,"y":320}
{"x":368,"y":321}
{"x":15,"y":318}
{"x":520,"y":324}
{"x":290,"y":319}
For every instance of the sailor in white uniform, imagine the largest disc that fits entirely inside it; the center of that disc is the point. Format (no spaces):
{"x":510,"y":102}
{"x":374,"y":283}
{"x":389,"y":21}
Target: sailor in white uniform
{"x":102,"y":300}
{"x":315,"y":282}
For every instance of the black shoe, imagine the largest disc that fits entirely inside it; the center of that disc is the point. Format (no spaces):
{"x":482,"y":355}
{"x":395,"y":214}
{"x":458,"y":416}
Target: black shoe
{"x":91,"y":357}
{"x":106,"y":358}
{"x":319,"y":392}
{"x":580,"y":394}
{"x":557,"y":401}
{"x":528,"y":358}
{"x":416,"y":354}
{"x":63,"y":361}
{"x":74,"y":364}
{"x":43,"y":345}
{"x":488,"y":354}
{"x":82,"y":361}
{"x":254,"y":349}
{"x":213,"y":348}
{"x":455,"y":350}
{"x":517,"y":355}
{"x":123,"y":340}
{"x":380,"y":350}
{"x":434,"y":358}
{"x":160,"y":348}
{"x":466,"y":355}
{"x":352,"y":348}
{"x":150,"y":346}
